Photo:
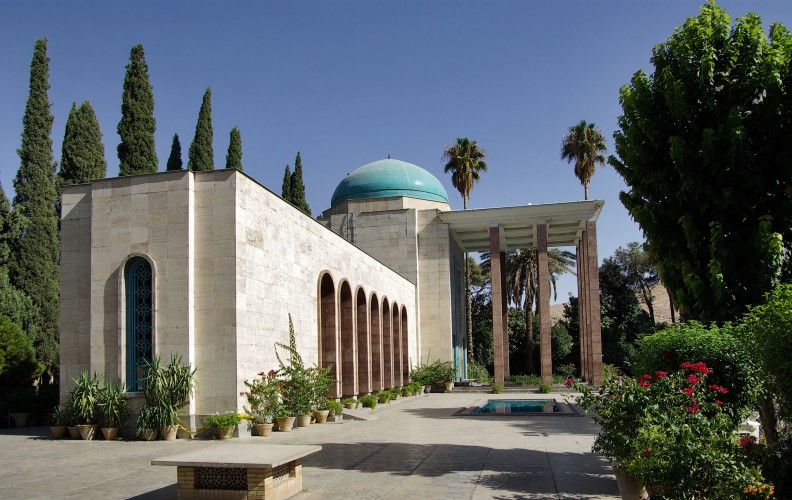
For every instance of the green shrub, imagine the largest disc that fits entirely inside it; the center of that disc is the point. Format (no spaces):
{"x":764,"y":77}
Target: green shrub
{"x":545,"y":388}
{"x":733,"y":366}
{"x":395,"y":392}
{"x":368,"y":401}
{"x":334,"y":406}
{"x":566,"y":371}
{"x":18,"y":364}
{"x":415,"y":387}
{"x":522,"y":380}
{"x":225,"y":419}
{"x":346,"y":401}
{"x":383,"y":397}
{"x":478,"y":372}
{"x":768,"y":332}
{"x":497,"y":388}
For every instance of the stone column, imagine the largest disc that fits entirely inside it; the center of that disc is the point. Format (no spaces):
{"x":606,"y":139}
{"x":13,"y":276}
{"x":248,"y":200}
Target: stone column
{"x":581,"y":282}
{"x":594,"y":320}
{"x":496,"y":276}
{"x":543,"y":279}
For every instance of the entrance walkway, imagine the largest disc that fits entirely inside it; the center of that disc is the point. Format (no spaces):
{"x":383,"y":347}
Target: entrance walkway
{"x":416,"y":448}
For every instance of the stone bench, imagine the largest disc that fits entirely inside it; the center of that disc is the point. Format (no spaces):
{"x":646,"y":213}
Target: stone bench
{"x":233,"y":471}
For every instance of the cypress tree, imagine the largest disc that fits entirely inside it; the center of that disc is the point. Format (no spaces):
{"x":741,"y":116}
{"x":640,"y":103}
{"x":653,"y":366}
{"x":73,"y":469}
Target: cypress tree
{"x":175,"y":160}
{"x":298,"y":188}
{"x":201,"y":156}
{"x":82,"y":153}
{"x":34,"y":257}
{"x":136,"y":153}
{"x":234,"y":156}
{"x":286,"y":187}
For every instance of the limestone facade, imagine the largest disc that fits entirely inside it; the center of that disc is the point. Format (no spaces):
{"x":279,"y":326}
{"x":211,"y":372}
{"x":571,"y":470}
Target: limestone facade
{"x":230,"y":261}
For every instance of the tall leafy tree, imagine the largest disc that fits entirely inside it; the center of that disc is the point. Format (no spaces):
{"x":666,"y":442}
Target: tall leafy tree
{"x":704,"y":146}
{"x":82,"y":152}
{"x":298,"y":188}
{"x":175,"y":158}
{"x":136,"y":153}
{"x":584,"y":146}
{"x":639,"y":272}
{"x":465,"y":161}
{"x":234,"y":155}
{"x":201,"y":155}
{"x":286,"y":186}
{"x":33,"y":262}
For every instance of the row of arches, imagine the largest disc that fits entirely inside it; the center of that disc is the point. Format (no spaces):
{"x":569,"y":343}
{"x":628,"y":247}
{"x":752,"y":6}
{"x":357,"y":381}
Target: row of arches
{"x":363,"y":339}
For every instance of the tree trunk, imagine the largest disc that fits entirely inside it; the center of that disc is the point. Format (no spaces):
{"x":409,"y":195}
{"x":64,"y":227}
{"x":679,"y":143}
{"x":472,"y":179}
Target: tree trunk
{"x":767,"y":415}
{"x":671,"y":305}
{"x":529,"y":340}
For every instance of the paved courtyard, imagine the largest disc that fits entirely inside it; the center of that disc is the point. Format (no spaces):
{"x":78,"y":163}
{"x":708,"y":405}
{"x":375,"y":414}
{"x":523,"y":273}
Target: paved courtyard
{"x":415,"y":447}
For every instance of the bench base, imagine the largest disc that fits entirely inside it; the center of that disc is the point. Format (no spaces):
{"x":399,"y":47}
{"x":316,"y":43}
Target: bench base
{"x":226,"y":483}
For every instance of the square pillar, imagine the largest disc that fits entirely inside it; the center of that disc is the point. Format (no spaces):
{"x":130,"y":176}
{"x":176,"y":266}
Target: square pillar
{"x":594,"y":320}
{"x":497,"y":267}
{"x":543,"y":280}
{"x":583,"y":307}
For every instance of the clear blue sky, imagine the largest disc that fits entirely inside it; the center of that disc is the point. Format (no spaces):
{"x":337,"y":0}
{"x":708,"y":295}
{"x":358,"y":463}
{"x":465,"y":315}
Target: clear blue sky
{"x":349,"y":82}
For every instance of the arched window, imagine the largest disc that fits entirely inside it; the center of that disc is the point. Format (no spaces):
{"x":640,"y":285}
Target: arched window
{"x":140,"y":321}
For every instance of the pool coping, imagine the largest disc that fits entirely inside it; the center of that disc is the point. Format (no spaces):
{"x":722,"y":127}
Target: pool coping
{"x":569,"y":408}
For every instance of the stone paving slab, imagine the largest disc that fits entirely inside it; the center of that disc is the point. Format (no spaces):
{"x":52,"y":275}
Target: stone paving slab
{"x":416,"y":448}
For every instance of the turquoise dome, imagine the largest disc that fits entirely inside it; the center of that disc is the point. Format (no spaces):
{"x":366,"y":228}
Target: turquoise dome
{"x":389,"y":177}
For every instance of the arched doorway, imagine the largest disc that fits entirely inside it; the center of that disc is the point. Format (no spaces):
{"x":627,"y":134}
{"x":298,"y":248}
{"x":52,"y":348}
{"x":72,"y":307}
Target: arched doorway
{"x":376,"y":343}
{"x":387,"y":346}
{"x":327,"y":330}
{"x":348,"y":375}
{"x":363,"y":354}
{"x":397,"y":373}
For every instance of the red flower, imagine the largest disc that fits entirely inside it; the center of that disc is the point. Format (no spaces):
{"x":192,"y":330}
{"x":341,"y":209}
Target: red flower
{"x":719,"y":402}
{"x":643,"y":383}
{"x":700,"y":367}
{"x":694,"y":379}
{"x":694,"y":408}
{"x":647,"y":452}
{"x":688,"y":391}
{"x":747,"y":442}
{"x":569,"y":381}
{"x":718,"y":388}
{"x":660,"y":374}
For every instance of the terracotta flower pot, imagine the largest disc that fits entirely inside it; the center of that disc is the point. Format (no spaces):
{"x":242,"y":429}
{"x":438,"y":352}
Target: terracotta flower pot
{"x":58,"y":431}
{"x":449,"y":386}
{"x":87,"y":431}
{"x":303,"y":420}
{"x":629,"y":487}
{"x":74,"y":433}
{"x":321,"y":416}
{"x":169,"y":433}
{"x":350,"y":406}
{"x":225,"y":432}
{"x":285,"y":424}
{"x":110,"y":433}
{"x":263,"y":430}
{"x":148,"y":434}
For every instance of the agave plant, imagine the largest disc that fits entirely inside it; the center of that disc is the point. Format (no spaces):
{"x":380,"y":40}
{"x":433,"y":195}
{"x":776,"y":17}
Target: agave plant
{"x":113,"y":404}
{"x":84,"y":398}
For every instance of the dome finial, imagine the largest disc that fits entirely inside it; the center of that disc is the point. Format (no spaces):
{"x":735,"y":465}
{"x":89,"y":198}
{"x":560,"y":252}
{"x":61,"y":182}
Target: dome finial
{"x":388,"y":155}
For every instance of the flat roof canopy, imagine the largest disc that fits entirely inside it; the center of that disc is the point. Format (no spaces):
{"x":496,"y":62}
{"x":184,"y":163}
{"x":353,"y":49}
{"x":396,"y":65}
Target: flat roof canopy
{"x":517,"y":225}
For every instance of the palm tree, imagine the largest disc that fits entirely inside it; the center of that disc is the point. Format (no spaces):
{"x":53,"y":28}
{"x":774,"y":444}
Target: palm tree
{"x":522,"y":281}
{"x":465,"y":160}
{"x":583,"y":145}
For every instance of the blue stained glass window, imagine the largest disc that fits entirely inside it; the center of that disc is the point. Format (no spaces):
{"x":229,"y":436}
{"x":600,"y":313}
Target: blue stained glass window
{"x":139,"y":320}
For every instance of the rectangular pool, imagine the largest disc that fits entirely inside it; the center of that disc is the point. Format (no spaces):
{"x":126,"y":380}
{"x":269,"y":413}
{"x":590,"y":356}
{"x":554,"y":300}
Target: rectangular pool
{"x":519,"y":406}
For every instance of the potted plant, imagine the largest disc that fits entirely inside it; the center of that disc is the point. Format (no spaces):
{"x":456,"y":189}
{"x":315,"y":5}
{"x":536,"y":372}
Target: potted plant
{"x":445,"y":374}
{"x":383,"y":397}
{"x":319,"y":387}
{"x":167,"y":389}
{"x":85,"y":402}
{"x":263,"y":398}
{"x":113,"y":407}
{"x":335,"y":410}
{"x":670,"y":431}
{"x":349,"y":403}
{"x":223,"y":423}
{"x":368,"y":401}
{"x":148,"y":422}
{"x":395,"y":392}
{"x":59,"y":419}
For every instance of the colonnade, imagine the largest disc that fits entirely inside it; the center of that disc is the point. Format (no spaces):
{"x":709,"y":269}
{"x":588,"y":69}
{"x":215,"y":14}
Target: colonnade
{"x":363,"y":338}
